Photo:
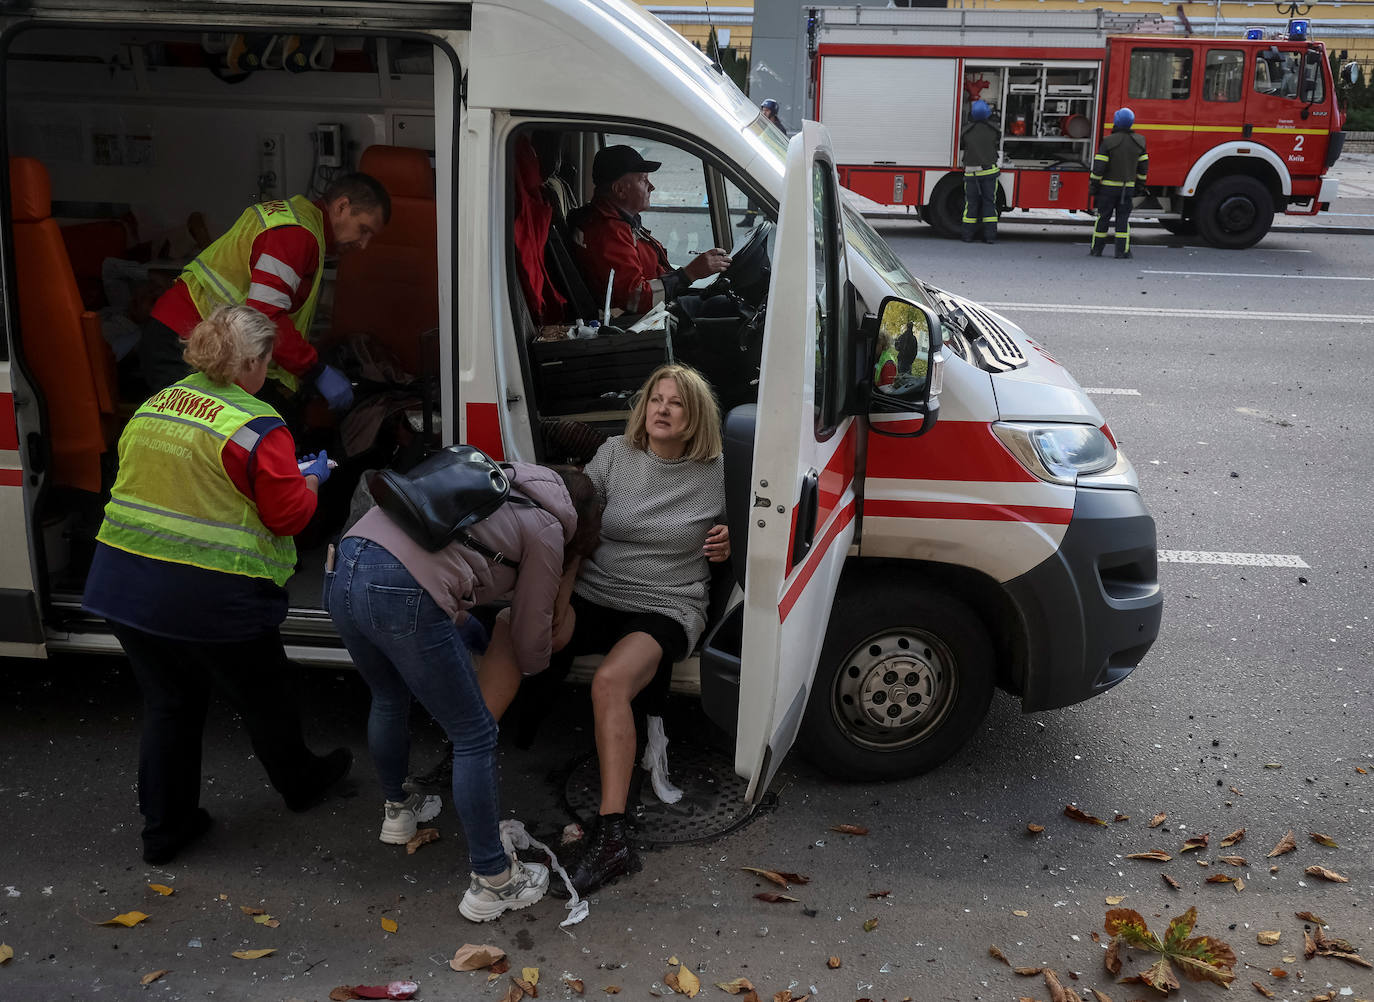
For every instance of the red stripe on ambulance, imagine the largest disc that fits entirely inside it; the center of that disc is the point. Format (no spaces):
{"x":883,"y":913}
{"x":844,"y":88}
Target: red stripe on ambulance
{"x":484,"y":429}
{"x":9,"y":433}
{"x":952,"y":450}
{"x":1040,"y":514}
{"x":813,"y":560}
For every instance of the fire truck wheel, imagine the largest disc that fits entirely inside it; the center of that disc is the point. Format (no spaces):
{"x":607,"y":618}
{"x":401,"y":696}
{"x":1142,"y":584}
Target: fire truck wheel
{"x":945,"y":213}
{"x":905,"y":677}
{"x":1234,"y":212}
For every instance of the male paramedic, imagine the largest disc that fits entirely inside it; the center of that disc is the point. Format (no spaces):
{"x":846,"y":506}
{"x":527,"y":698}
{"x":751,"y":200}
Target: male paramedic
{"x":979,"y":142}
{"x":271,"y":259}
{"x":608,"y":235}
{"x":1118,"y":169}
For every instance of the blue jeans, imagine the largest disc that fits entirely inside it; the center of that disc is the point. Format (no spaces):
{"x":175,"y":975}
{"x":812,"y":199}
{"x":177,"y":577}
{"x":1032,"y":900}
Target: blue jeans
{"x":404,"y":645}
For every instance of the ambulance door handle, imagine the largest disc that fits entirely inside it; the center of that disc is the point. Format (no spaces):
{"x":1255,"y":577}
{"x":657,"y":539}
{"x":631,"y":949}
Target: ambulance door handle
{"x":804,"y":531}
{"x":1247,"y":130}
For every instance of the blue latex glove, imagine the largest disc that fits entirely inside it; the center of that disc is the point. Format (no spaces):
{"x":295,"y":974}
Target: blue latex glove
{"x":316,"y":464}
{"x":335,"y":388}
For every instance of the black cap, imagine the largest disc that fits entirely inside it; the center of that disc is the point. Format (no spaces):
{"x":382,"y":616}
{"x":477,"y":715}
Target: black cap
{"x":614,"y":162}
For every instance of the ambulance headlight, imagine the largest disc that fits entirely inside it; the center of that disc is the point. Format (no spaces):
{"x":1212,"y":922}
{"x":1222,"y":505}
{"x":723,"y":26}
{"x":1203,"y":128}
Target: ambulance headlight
{"x":1058,"y":453}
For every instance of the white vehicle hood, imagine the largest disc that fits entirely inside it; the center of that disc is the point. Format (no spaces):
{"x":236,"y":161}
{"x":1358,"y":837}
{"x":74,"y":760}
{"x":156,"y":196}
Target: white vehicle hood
{"x":1040,"y":390}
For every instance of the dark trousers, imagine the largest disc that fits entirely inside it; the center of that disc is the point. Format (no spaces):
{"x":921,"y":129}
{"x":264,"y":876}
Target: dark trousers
{"x":1113,"y":202}
{"x":175,"y":677}
{"x":980,"y":205}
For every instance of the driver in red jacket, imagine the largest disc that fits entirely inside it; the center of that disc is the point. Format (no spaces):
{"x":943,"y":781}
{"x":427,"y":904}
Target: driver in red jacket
{"x":607,"y":234}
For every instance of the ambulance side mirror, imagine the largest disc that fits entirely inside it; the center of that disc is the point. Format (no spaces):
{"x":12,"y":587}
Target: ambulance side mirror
{"x":907,"y":367}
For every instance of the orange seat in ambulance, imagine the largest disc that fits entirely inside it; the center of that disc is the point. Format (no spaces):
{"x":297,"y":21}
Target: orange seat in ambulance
{"x":391,"y":289}
{"x":63,"y":348}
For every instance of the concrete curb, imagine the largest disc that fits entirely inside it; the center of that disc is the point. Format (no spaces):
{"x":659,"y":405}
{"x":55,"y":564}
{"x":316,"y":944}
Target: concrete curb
{"x":1087,"y":220}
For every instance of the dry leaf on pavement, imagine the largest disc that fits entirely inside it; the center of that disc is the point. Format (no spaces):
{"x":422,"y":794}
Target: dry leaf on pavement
{"x":1170,"y":881}
{"x":6,"y":953}
{"x":128,"y":919}
{"x":833,"y":963}
{"x":736,"y":986}
{"x":267,"y":920}
{"x":1267,"y":937}
{"x":152,"y":976}
{"x":1058,"y":993}
{"x":1321,"y":839}
{"x":1309,"y":917}
{"x":870,"y":924}
{"x":252,"y":954}
{"x":162,"y":889}
{"x":1325,"y":874}
{"x":1072,"y":812}
{"x":1221,"y":878}
{"x":250,"y":910}
{"x":422,"y":836}
{"x":612,"y":989}
{"x":1286,"y":844}
{"x":1158,"y":820}
{"x":514,"y":993}
{"x":1028,"y":972}
{"x":1262,"y":990}
{"x":772,"y":897}
{"x":1157,"y":855}
{"x":1233,"y":860}
{"x":849,"y":829}
{"x":471,"y":957}
{"x":783,"y":880}
{"x":1034,"y":829}
{"x":1196,"y":842}
{"x":1100,"y":996}
{"x":531,"y":975}
{"x":878,"y":894}
{"x":688,"y":983}
{"x":1236,"y":836}
{"x":1122,"y":817}
{"x":995,"y":952}
{"x":574,"y":983}
{"x":389,"y":924}
{"x":1116,"y":899}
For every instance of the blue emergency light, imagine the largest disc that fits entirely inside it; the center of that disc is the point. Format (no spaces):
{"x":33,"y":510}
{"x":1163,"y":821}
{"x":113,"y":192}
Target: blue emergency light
{"x":1254,"y":34}
{"x":1297,"y":29}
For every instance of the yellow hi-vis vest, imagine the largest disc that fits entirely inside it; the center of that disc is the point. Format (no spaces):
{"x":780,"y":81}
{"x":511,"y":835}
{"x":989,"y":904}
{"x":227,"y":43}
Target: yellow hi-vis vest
{"x":173,"y":500}
{"x":220,"y":275}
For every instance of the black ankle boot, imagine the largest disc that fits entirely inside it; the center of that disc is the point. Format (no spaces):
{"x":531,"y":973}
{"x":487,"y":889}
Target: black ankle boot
{"x":609,"y":856}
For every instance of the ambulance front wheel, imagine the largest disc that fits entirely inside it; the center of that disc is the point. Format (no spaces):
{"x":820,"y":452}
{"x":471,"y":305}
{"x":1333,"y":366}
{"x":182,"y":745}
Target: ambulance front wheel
{"x":904,"y":679}
{"x":1234,"y":212}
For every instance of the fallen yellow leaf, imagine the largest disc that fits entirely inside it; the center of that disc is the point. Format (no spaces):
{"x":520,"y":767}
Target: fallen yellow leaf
{"x":422,"y":837}
{"x":833,"y":963}
{"x":6,"y":953}
{"x":266,"y":920}
{"x":1116,"y":899}
{"x":389,"y":924}
{"x":530,"y":974}
{"x":687,"y":982}
{"x":250,"y":910}
{"x":574,"y":983}
{"x":1325,"y":874}
{"x":673,"y":961}
{"x":736,"y":986}
{"x":152,"y":976}
{"x":162,"y":889}
{"x":253,"y":954}
{"x":1267,"y":937}
{"x":128,"y":919}
{"x":1020,"y":913}
{"x":1321,"y":839}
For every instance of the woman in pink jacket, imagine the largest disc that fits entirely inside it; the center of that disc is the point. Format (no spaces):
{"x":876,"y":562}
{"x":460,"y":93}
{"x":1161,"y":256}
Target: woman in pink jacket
{"x":400,"y":608}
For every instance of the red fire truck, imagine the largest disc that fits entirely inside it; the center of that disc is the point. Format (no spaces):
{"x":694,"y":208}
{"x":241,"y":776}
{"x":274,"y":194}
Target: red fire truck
{"x":1238,"y":129}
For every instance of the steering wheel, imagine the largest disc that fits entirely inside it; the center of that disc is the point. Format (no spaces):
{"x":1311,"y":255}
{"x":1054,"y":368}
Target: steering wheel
{"x":749,"y":265}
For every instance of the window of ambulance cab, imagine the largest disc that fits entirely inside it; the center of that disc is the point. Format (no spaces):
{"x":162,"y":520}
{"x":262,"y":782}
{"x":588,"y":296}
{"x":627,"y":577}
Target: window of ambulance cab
{"x":678,"y":215}
{"x":1160,"y":74}
{"x":1223,"y":78}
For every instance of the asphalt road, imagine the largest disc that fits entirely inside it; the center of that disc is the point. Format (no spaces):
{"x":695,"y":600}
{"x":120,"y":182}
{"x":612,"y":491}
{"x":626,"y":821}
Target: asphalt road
{"x":1253,"y":711}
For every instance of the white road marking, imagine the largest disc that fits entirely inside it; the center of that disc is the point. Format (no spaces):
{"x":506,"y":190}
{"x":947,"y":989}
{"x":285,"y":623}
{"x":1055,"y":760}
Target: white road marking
{"x":1143,"y":311}
{"x":1111,"y":391}
{"x":1260,"y":274}
{"x":1238,"y":559}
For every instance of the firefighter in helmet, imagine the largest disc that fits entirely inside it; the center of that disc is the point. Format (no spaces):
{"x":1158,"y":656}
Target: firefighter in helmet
{"x":1118,"y":169}
{"x":979,"y":142}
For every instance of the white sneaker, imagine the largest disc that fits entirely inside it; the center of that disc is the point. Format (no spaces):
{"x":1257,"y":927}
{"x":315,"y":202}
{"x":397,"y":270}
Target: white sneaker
{"x":401,"y":818}
{"x":485,"y":901}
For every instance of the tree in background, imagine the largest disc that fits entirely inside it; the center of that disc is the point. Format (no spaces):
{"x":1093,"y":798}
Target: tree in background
{"x":735,"y":65}
{"x":1356,"y":100}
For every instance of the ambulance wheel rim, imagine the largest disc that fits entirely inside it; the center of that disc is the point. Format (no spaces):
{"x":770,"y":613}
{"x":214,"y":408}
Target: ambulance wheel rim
{"x":894,"y":689}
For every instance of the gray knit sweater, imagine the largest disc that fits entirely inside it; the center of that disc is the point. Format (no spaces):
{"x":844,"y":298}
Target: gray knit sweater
{"x":655,"y":523}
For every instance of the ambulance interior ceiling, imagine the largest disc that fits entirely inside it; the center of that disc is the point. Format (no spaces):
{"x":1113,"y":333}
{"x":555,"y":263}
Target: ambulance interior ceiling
{"x":138,"y":121}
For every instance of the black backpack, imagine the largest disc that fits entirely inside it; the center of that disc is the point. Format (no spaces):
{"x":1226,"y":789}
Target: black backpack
{"x":445,"y":493}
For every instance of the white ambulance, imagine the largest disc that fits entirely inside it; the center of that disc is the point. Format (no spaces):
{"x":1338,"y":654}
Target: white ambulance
{"x":923,"y":502}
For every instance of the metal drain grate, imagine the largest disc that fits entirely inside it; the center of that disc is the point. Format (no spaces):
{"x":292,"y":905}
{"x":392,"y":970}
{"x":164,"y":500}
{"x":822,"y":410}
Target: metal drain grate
{"x":712,"y":801}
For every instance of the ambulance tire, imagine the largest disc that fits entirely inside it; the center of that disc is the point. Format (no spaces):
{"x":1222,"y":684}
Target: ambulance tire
{"x":1234,"y":212}
{"x":905,"y":678}
{"x":945,"y":213}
